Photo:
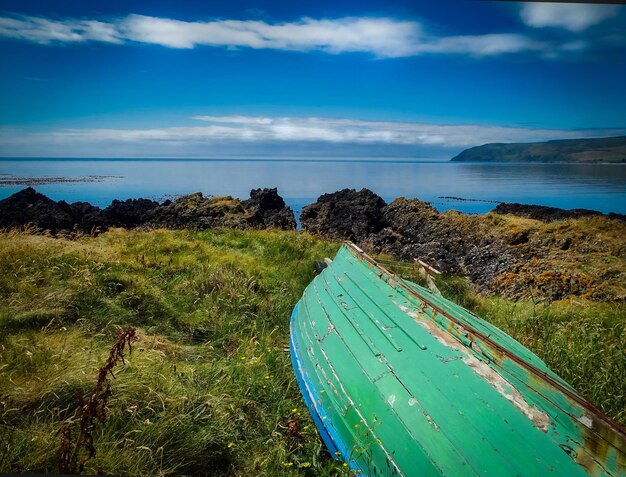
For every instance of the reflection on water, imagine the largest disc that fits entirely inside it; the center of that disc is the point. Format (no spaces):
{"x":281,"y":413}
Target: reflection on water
{"x":600,"y":187}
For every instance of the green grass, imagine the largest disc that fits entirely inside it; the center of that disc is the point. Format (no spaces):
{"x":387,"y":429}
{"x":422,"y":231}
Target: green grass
{"x":209,"y":389}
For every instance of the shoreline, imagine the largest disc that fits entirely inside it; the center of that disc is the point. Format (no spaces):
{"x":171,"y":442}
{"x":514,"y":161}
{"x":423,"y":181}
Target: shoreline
{"x":509,"y":250}
{"x":7,"y":180}
{"x":532,"y":211}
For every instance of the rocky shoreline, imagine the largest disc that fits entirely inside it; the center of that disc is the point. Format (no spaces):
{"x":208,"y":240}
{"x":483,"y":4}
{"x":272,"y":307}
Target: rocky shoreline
{"x":517,"y":250}
{"x":264,"y":209}
{"x":11,"y":180}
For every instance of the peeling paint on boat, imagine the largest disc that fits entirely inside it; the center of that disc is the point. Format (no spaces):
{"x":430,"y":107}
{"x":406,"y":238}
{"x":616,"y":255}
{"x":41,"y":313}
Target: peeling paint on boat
{"x":404,"y":382}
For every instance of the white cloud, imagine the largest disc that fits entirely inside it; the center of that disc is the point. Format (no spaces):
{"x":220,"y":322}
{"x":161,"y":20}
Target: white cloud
{"x":381,"y":37}
{"x":42,"y":30}
{"x":235,"y":119}
{"x":571,"y":16}
{"x":484,"y":45}
{"x":275,"y":130}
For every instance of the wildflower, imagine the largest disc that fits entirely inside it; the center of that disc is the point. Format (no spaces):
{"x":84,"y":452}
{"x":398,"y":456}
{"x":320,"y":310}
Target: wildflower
{"x":305,"y":464}
{"x":305,"y":428}
{"x":295,"y":409}
{"x":287,"y":464}
{"x":337,"y":453}
{"x":345,"y":465}
{"x":231,"y":444}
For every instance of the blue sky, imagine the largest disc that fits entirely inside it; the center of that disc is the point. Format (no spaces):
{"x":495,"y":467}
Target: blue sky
{"x":254,"y":78}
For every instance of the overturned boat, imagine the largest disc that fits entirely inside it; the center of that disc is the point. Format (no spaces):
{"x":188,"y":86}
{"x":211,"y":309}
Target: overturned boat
{"x":401,"y":381}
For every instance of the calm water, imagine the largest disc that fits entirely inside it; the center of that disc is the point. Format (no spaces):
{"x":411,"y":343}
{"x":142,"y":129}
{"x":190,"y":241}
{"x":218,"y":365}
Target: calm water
{"x":599,"y":187}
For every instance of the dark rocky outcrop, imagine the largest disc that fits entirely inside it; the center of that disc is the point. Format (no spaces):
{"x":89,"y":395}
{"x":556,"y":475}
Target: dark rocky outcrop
{"x":549,"y":214}
{"x":423,"y":233}
{"x":345,"y":215}
{"x":498,"y":252}
{"x":128,"y":213}
{"x":86,"y":218}
{"x":264,"y":209}
{"x":268,"y":210}
{"x":30,"y":207}
{"x":452,"y":242}
{"x":407,"y":229}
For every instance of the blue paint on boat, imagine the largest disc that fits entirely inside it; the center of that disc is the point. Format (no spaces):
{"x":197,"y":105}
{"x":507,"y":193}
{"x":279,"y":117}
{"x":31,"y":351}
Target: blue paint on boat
{"x":334,"y":443}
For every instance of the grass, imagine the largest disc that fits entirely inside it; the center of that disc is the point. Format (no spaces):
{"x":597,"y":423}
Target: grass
{"x":209,"y":389}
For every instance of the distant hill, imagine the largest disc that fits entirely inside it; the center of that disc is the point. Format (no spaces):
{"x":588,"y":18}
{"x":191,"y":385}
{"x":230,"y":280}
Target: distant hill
{"x":583,"y":151}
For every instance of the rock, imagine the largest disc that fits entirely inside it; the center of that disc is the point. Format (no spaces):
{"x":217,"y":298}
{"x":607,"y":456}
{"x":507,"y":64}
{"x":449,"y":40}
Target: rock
{"x":128,"y":213}
{"x":30,"y":207}
{"x":345,"y":215}
{"x":419,"y":231}
{"x":195,"y":211}
{"x":408,"y":229}
{"x":268,"y":210}
{"x":264,"y":200}
{"x":452,"y":242}
{"x":484,"y":262}
{"x":264,"y":209}
{"x":549,"y":214}
{"x":87,"y":218}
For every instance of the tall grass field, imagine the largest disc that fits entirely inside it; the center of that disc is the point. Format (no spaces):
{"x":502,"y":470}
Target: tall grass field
{"x":208,"y":388}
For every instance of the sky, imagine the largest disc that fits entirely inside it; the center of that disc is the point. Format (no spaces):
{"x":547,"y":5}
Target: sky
{"x":243,"y":78}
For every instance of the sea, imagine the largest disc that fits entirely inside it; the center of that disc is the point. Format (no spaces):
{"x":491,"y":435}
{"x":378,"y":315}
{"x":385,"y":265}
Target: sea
{"x":473,"y":188}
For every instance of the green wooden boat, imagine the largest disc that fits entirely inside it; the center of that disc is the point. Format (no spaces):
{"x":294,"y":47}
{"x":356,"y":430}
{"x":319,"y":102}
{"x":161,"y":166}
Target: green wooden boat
{"x":400,"y":381}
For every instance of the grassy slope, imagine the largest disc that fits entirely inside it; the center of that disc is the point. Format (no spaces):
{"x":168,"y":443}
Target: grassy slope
{"x":209,"y":389}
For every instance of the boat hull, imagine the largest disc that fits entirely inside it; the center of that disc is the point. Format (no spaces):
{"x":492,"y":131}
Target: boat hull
{"x":400,"y":381}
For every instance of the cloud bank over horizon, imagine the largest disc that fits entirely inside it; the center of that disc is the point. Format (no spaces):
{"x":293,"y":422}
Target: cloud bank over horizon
{"x":575,"y":17}
{"x":264,"y":135}
{"x":380,"y":37}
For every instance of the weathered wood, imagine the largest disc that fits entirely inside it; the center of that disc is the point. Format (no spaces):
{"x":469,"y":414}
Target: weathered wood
{"x":401,"y":381}
{"x":428,"y":267}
